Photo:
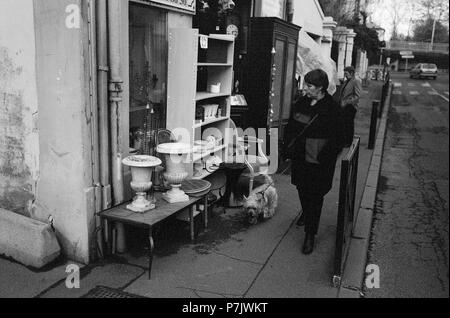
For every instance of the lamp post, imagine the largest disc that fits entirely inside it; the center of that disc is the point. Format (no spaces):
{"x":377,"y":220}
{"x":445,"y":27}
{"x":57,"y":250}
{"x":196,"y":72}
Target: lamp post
{"x":381,"y":56}
{"x":432,"y":33}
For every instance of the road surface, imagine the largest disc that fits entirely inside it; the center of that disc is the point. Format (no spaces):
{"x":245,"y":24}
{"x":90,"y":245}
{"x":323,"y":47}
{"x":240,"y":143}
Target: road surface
{"x":410,"y":239}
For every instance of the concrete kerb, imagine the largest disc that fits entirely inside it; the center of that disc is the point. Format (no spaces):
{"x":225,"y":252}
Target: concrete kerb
{"x":354,"y":271}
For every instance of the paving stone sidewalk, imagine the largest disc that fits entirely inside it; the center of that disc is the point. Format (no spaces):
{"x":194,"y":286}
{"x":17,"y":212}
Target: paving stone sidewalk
{"x":228,"y":260}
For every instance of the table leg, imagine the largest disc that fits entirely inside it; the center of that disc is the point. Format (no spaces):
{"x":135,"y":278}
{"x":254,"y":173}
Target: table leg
{"x":150,"y":252}
{"x":104,"y":236}
{"x":109,"y":226}
{"x":205,"y":211}
{"x":191,"y":221}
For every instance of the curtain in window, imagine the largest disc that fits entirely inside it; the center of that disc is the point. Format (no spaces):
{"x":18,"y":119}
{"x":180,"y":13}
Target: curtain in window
{"x":148,"y":75}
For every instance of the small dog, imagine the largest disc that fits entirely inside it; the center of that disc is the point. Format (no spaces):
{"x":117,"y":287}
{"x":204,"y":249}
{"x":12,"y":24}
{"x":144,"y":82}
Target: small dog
{"x":261,"y":202}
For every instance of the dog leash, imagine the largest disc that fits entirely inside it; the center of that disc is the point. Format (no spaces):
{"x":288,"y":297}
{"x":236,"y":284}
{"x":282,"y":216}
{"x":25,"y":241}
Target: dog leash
{"x":265,"y":190}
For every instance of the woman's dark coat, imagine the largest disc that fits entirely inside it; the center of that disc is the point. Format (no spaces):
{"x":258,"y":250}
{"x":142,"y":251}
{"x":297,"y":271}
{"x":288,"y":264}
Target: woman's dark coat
{"x":314,"y":155}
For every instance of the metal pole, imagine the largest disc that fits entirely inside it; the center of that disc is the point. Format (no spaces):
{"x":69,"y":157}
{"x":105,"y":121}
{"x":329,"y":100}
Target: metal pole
{"x":373,"y":124}
{"x":102,"y":95}
{"x":432,"y":34}
{"x":115,"y":98}
{"x":381,"y":57}
{"x":102,"y":101}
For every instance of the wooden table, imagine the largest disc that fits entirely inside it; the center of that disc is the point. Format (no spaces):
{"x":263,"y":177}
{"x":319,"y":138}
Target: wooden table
{"x":151,"y":218}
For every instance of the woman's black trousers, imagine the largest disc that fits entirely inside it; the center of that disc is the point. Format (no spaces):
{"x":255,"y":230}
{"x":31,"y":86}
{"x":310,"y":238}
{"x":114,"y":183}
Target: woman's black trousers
{"x":312,"y":204}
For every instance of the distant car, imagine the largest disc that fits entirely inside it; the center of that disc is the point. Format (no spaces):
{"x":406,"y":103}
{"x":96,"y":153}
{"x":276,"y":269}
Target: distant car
{"x":424,"y":70}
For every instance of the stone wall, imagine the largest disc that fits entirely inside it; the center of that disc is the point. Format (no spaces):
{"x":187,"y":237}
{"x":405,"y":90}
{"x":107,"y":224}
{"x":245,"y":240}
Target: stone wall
{"x":19,"y":150}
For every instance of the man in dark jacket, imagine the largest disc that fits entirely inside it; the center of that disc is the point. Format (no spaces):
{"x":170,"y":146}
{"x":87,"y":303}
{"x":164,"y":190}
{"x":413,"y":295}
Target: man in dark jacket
{"x":314,"y":139}
{"x":349,"y":96}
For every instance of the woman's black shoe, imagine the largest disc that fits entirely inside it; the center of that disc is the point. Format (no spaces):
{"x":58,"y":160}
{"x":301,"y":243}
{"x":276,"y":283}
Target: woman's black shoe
{"x":301,"y":220}
{"x":308,"y":245}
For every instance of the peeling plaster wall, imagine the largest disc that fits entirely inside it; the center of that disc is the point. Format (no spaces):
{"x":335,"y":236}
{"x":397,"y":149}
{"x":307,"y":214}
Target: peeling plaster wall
{"x":65,"y":184}
{"x":19,"y":145}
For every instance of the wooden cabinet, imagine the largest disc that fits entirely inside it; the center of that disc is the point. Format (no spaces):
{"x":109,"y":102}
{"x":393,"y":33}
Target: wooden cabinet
{"x":269,"y":84}
{"x":200,"y":80}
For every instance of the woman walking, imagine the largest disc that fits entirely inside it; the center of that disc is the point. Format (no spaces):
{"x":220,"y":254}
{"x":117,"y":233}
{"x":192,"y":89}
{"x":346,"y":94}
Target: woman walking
{"x":314,"y":139}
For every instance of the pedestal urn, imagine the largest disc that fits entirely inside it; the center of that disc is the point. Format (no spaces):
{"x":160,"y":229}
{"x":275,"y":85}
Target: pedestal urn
{"x":176,"y":156}
{"x":141,"y":174}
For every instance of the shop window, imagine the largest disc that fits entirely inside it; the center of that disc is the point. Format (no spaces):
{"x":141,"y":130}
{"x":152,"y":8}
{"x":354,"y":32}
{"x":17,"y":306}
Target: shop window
{"x":148,"y":76}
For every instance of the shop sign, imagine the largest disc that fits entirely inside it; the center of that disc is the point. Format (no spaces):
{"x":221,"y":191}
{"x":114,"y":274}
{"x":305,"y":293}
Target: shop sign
{"x":185,"y":5}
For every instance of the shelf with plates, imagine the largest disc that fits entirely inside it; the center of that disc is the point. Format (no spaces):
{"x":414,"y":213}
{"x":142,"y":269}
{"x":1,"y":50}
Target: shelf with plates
{"x":206,"y":153}
{"x":199,"y":124}
{"x":200,"y":86}
{"x":214,"y":65}
{"x":207,"y":95}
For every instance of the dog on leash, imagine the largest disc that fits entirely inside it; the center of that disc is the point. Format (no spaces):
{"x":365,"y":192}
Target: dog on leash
{"x":262,"y":202}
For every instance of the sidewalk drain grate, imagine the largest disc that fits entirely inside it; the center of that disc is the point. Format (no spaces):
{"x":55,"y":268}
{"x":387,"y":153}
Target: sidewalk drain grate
{"x":106,"y":292}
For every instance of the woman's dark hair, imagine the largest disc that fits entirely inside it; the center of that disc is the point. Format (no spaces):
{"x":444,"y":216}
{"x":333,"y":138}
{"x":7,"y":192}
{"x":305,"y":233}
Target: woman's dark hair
{"x":318,"y":78}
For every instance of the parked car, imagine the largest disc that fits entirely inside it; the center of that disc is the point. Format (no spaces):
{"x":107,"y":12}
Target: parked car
{"x":424,"y":70}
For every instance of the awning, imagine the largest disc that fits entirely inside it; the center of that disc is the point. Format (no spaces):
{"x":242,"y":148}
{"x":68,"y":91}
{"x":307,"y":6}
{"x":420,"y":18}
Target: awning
{"x":310,"y":57}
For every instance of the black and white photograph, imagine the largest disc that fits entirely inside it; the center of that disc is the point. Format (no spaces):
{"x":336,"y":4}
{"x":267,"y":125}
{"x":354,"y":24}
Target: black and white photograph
{"x":224,"y":157}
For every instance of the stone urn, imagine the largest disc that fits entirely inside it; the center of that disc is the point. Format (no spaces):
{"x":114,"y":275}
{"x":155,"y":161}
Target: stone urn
{"x":176,"y":156}
{"x":141,"y":176}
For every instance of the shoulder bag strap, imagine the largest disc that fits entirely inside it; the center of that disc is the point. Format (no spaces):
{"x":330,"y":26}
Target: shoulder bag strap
{"x":302,"y":132}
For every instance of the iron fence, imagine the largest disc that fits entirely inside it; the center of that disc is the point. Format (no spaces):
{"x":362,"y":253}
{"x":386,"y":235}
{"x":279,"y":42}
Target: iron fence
{"x":373,"y":123}
{"x":346,"y":209}
{"x":384,"y":93}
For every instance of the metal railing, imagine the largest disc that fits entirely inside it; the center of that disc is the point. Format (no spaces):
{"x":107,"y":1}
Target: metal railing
{"x":346,"y":209}
{"x":384,"y":93}
{"x":373,"y":124}
{"x":377,"y":111}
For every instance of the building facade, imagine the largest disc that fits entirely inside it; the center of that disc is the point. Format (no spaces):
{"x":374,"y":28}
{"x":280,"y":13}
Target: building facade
{"x":57,"y":157}
{"x":76,"y":77}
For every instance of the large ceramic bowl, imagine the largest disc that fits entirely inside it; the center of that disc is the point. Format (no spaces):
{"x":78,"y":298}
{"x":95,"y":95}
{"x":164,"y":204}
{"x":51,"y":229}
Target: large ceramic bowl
{"x":174,"y":148}
{"x":141,"y":161}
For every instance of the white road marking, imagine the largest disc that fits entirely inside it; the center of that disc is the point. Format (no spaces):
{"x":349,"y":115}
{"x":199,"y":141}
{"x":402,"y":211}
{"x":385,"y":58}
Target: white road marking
{"x":426,"y":85}
{"x":433,"y":93}
{"x":414,"y":93}
{"x":445,"y":98}
{"x":397,"y":84}
{"x":397,"y":92}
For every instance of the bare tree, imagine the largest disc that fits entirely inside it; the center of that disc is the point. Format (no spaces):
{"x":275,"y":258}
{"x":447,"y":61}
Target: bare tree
{"x":340,"y":10}
{"x":434,"y":9}
{"x":398,"y":12}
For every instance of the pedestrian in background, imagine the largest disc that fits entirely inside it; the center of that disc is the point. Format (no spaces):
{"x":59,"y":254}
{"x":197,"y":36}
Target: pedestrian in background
{"x":349,"y":96}
{"x":313,"y":143}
